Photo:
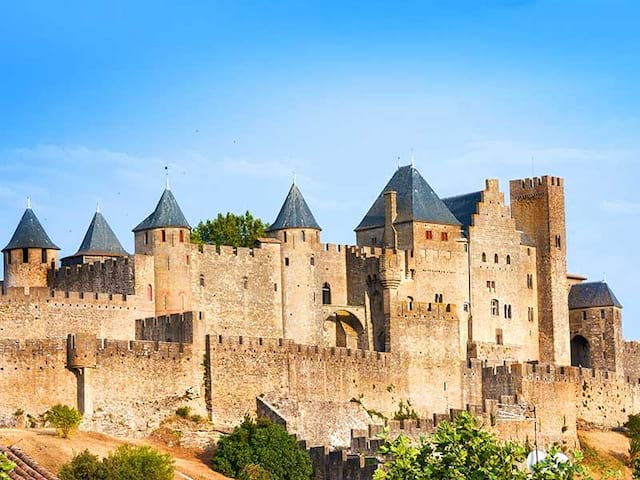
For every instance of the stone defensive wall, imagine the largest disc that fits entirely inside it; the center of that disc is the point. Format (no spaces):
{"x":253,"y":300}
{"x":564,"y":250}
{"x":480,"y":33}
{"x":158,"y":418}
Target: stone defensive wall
{"x":631,"y":358}
{"x":23,"y":313}
{"x":122,"y":386}
{"x":115,"y":276}
{"x":177,"y":327}
{"x":241,"y":369}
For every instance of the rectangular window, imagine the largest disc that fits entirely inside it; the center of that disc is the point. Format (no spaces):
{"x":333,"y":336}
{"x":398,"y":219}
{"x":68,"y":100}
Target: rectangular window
{"x":602,"y":314}
{"x":444,"y":236}
{"x":9,"y":257}
{"x":584,"y":315}
{"x":286,"y":261}
{"x":44,"y":256}
{"x":146,"y":238}
{"x":428,"y":235}
{"x":164,"y":236}
{"x":181,"y":236}
{"x":25,"y":255}
{"x":499,"y":339}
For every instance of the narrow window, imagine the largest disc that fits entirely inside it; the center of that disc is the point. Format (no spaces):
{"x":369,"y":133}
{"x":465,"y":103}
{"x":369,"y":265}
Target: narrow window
{"x":499,"y":339}
{"x":44,"y":256}
{"x":484,"y":257}
{"x":508,"y":259}
{"x":25,"y":255}
{"x":9,"y":257}
{"x":374,"y":241}
{"x":164,"y":235}
{"x":187,"y":259}
{"x":495,"y":307}
{"x":529,"y":252}
{"x":326,"y":294}
{"x":245,"y":282}
{"x":510,"y":311}
{"x":164,"y":302}
{"x":181,"y":236}
{"x":146,"y":238}
{"x":558,"y":242}
{"x":285,"y":237}
{"x":275,"y":287}
{"x":444,"y":236}
{"x":602,"y":314}
{"x":304,"y":237}
{"x":439,"y":298}
{"x":149,"y":292}
{"x":506,"y":311}
{"x":410,"y":303}
{"x":286,"y":261}
{"x":201,"y":280}
{"x":428,"y":235}
{"x":584,"y":315}
{"x":495,"y":258}
{"x":313,"y":261}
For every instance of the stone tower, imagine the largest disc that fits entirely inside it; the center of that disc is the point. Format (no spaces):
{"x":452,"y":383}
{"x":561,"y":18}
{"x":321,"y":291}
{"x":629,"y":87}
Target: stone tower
{"x":165,"y":236}
{"x":537,"y":205}
{"x":29,"y":254}
{"x":299,"y":234}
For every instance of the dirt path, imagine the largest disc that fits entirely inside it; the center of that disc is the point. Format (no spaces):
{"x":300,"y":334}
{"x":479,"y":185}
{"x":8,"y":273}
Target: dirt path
{"x":612,"y":450}
{"x":52,"y":452}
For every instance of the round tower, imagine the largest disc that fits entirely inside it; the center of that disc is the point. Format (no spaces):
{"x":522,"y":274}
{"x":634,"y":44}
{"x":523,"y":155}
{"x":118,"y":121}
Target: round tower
{"x":165,"y":236}
{"x":29,"y":254}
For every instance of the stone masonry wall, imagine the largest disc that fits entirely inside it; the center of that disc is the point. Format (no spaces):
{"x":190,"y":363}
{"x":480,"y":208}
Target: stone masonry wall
{"x":111,"y":276}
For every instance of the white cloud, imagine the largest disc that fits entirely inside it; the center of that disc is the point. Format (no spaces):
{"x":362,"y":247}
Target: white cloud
{"x":621,"y":207}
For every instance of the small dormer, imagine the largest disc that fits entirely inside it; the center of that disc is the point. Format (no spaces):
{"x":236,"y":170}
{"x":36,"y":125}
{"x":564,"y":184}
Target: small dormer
{"x":29,"y":254}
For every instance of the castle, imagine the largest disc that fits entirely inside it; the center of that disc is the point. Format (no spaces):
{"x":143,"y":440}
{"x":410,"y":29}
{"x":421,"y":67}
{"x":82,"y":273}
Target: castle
{"x":447,"y":304}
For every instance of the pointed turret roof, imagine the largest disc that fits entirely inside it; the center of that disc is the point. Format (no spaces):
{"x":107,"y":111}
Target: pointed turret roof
{"x":416,"y":199}
{"x":30,"y":234}
{"x":295,"y":213}
{"x":166,"y":214}
{"x":592,"y":294}
{"x":100,"y":239}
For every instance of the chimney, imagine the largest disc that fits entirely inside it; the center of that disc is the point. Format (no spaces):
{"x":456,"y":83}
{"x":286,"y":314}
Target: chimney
{"x":390,"y":236}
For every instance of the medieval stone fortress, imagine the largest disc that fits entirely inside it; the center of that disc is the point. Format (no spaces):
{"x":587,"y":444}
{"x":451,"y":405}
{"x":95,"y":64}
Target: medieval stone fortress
{"x":462,"y":303}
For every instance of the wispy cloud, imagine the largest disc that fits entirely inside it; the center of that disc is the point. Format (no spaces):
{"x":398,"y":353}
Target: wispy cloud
{"x":621,"y":207}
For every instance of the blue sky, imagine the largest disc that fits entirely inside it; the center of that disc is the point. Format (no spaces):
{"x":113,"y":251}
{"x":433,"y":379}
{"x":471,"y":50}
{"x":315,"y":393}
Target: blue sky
{"x":96,"y":97}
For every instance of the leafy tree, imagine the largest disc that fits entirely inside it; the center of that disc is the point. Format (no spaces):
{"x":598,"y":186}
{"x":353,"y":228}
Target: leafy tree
{"x":230,"y":229}
{"x":125,"y":463}
{"x":261,"y":450}
{"x":63,"y":418}
{"x":633,"y":427}
{"x":462,"y":450}
{"x":83,"y":466}
{"x":6,"y":467}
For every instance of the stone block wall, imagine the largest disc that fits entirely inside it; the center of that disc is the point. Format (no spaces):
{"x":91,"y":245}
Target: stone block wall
{"x":116,"y":276}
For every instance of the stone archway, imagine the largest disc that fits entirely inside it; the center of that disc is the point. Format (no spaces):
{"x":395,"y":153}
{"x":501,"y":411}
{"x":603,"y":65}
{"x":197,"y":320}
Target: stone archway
{"x":580,"y":352}
{"x":344,"y":329}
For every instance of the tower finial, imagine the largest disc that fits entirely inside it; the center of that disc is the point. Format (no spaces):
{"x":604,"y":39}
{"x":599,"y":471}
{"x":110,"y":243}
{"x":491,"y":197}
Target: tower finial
{"x":294,"y":177}
{"x":604,"y":277}
{"x":166,"y":172}
{"x":413,"y":159}
{"x":97,"y":207}
{"x":29,"y":202}
{"x":398,"y":162}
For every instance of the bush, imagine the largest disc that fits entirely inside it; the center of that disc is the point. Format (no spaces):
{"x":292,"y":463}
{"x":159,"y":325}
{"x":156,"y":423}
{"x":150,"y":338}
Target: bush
{"x":183,"y":412}
{"x":125,"y":463}
{"x":83,"y":466}
{"x":6,"y":467}
{"x":261,"y":450}
{"x":63,"y":418}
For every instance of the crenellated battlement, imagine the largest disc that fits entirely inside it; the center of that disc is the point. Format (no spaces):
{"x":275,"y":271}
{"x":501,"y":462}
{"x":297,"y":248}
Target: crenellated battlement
{"x":264,"y":250}
{"x":115,"y":276}
{"x":177,"y":327}
{"x":448,"y":311}
{"x":534,"y":183}
{"x":142,"y":349}
{"x":71,"y":299}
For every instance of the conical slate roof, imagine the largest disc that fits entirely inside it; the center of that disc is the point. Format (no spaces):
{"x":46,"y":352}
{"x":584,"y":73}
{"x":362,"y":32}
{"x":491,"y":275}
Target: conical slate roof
{"x":100,"y":239}
{"x":416,"y":202}
{"x":592,"y":294}
{"x":295,"y":213}
{"x":166,"y":214}
{"x":30,"y":234}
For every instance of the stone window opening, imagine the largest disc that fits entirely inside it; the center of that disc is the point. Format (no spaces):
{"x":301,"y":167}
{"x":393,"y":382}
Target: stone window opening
{"x":584,"y":315}
{"x":284,"y":235}
{"x":164,"y":235}
{"x":508,"y":259}
{"x":275,"y":287}
{"x":181,"y":236}
{"x":312,"y":260}
{"x":187,"y":259}
{"x":496,"y":259}
{"x":438,"y":298}
{"x":495,"y":307}
{"x":410,"y":303}
{"x":149,"y":293}
{"x":530,"y":314}
{"x":528,"y":252}
{"x":326,"y":294}
{"x":245,"y":283}
{"x":25,"y":255}
{"x":146,"y":238}
{"x":507,"y":311}
{"x":499,"y":338}
{"x":8,"y":254}
{"x":602,"y":314}
{"x":530,"y":280}
{"x":286,"y":261}
{"x":164,"y":302}
{"x":484,"y":257}
{"x":558,"y":241}
{"x":44,"y":256}
{"x":201,"y":280}
{"x":374,"y":241}
{"x":304,"y":237}
{"x":444,"y":236}
{"x":428,"y":235}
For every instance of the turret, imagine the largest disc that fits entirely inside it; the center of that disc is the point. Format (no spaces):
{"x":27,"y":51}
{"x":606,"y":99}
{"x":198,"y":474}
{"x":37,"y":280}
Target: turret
{"x":29,"y":254}
{"x":165,"y":235}
{"x":299,"y":234}
{"x":98,"y":245}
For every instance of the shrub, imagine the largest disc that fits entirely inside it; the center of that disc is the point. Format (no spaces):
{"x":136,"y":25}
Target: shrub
{"x":63,"y":418}
{"x":138,"y":463}
{"x":6,"y":467}
{"x":183,"y":412}
{"x":125,"y":463}
{"x":257,"y":448}
{"x":84,"y":466}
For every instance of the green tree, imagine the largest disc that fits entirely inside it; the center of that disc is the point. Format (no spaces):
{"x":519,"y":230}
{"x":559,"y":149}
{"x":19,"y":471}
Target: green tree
{"x":6,"y":467}
{"x":261,"y":450}
{"x":63,"y":418}
{"x":463,"y":450}
{"x":230,"y":229}
{"x":83,"y":466}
